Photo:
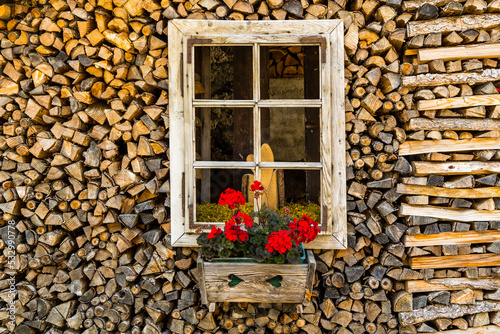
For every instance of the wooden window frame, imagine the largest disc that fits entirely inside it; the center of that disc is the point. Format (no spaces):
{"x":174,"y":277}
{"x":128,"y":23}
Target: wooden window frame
{"x":183,"y":35}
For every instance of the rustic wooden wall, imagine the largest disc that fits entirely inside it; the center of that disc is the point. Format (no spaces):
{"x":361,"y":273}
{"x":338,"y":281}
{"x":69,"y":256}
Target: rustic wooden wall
{"x":84,"y":171}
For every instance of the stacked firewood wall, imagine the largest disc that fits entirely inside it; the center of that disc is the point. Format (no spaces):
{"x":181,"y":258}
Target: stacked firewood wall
{"x":85,"y":168}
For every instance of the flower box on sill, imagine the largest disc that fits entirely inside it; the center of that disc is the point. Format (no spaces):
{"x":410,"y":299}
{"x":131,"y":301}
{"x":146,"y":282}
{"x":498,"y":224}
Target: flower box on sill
{"x":256,"y":282}
{"x":256,"y":260}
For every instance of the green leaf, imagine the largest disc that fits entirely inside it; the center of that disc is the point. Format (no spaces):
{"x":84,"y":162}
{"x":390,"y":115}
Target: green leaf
{"x":235,"y":280}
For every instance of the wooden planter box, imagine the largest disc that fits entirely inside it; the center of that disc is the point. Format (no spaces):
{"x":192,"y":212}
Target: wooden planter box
{"x":296,"y":280}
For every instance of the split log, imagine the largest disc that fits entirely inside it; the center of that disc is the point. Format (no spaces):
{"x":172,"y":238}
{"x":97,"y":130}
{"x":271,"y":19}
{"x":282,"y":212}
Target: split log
{"x":478,"y":51}
{"x":409,"y":189}
{"x":452,"y":124}
{"x":451,"y":238}
{"x":449,"y":24}
{"x":455,"y":261}
{"x":459,"y":102}
{"x":488,"y":75}
{"x":448,"y":145}
{"x":413,"y":5}
{"x":459,"y":283}
{"x":449,"y":311}
{"x":474,"y":330}
{"x":458,"y":214}
{"x":424,"y":168}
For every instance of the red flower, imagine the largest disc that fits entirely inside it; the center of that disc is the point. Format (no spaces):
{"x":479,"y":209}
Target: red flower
{"x":256,"y":185}
{"x":257,"y":188}
{"x":279,"y":241}
{"x":231,"y":198}
{"x":304,"y":230}
{"x":243,"y":218}
{"x":234,"y":233}
{"x":214,"y":232}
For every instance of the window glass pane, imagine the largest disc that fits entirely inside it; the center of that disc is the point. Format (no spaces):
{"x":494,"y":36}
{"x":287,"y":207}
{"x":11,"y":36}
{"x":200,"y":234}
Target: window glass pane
{"x":223,"y":72}
{"x":223,"y":134}
{"x":283,"y":77}
{"x":211,"y":183}
{"x":292,"y":133}
{"x":295,"y":190}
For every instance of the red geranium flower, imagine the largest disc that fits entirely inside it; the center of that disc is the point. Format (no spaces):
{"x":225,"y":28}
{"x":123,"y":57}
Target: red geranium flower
{"x":256,"y":185}
{"x":234,"y":233}
{"x":304,"y":230}
{"x":279,"y":241}
{"x":231,"y":198}
{"x":257,"y":188}
{"x":240,"y":218}
{"x":214,"y":232}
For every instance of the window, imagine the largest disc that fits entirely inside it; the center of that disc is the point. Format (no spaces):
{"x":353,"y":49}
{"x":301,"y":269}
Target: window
{"x":257,"y":100}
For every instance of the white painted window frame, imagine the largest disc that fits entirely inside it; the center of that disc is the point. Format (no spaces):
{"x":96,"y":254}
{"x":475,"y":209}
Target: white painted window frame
{"x":183,"y":34}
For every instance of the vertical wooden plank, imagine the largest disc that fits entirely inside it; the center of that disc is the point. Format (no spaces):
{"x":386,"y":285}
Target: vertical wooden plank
{"x":189,"y":123}
{"x":327,"y":193}
{"x":311,"y":261}
{"x":201,"y":280}
{"x":338,"y":135}
{"x":312,"y":126}
{"x":176,"y":114}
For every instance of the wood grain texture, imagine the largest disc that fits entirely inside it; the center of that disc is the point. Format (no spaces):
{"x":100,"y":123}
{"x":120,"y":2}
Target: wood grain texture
{"x":450,"y":283}
{"x":455,"y":261}
{"x":424,"y":168}
{"x":492,"y":329}
{"x":209,"y":28}
{"x":459,"y":102}
{"x":451,"y":238}
{"x":339,"y":191}
{"x":452,"y":311}
{"x":455,"y":23}
{"x":413,"y":5}
{"x":176,"y":114}
{"x":414,"y":189}
{"x":460,"y":52}
{"x":448,"y":145}
{"x":436,"y":79}
{"x":254,"y":287}
{"x":455,"y":124}
{"x":458,"y":214}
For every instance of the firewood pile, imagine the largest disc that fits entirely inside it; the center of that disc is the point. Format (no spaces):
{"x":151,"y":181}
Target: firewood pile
{"x":85,"y":171}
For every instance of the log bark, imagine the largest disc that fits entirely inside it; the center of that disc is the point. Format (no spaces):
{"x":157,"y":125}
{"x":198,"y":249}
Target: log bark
{"x":449,"y":311}
{"x":459,"y":23}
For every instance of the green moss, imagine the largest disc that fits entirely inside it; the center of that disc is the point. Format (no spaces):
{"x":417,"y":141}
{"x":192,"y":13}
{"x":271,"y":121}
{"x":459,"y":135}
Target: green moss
{"x":211,"y":212}
{"x":298,"y":210}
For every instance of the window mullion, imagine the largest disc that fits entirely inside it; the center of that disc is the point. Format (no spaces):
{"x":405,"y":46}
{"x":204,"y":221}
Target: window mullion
{"x":256,"y":113}
{"x":189,"y":82}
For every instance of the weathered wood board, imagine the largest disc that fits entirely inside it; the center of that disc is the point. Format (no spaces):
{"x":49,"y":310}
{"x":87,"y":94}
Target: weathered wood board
{"x":455,"y":261}
{"x":452,"y":124}
{"x":451,"y":238}
{"x":460,"y":102}
{"x":448,"y":145}
{"x":457,"y":214}
{"x":460,"y":52}
{"x":296,"y":280}
{"x":455,"y":23}
{"x":458,"y":283}
{"x":424,"y":168}
{"x":414,"y":189}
